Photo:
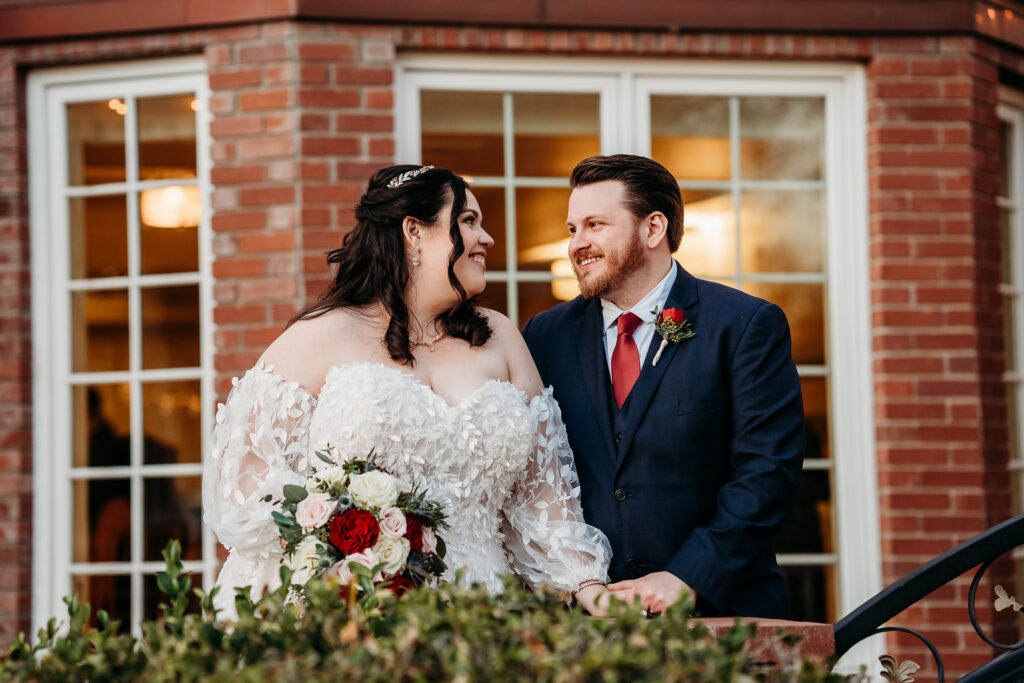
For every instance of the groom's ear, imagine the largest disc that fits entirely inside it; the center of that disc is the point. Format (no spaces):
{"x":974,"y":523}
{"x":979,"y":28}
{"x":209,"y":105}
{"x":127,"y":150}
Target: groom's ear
{"x":655,"y":229}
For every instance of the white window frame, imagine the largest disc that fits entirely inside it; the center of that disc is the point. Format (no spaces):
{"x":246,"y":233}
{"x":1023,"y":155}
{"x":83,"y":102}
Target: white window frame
{"x":49,"y":90}
{"x":843,"y":87}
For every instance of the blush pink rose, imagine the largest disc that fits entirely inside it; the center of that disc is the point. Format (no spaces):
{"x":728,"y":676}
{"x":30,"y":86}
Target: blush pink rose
{"x":392,"y":522}
{"x":429,"y":540}
{"x":342,"y":573}
{"x":314,"y":511}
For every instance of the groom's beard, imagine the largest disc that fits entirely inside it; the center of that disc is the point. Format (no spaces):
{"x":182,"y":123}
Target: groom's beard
{"x":618,"y":265}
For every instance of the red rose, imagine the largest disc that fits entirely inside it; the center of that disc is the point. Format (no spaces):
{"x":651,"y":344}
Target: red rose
{"x":400,"y":584}
{"x":673,"y":315}
{"x":414,"y":532}
{"x":354,"y":530}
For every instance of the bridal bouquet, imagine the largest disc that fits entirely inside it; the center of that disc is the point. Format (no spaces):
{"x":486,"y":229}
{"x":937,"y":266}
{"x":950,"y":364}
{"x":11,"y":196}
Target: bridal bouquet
{"x":357,"y":515}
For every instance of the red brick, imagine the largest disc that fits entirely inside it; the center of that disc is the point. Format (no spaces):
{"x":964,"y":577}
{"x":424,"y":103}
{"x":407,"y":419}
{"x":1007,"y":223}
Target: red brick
{"x":236,"y":125}
{"x":330,"y":146}
{"x":264,"y":100}
{"x":267,"y":289}
{"x":281,"y":73}
{"x":261,"y":336}
{"x":330,"y":52}
{"x":230,"y":175}
{"x":342,"y":192}
{"x":379,"y":99}
{"x":238,"y":220}
{"x":365,"y":122}
{"x":314,"y":170}
{"x":315,"y":217}
{"x":239,"y":314}
{"x":348,"y":75}
{"x":266,"y":195}
{"x":266,"y":241}
{"x":382,"y":147}
{"x":311,"y":97}
{"x":272,"y":52}
{"x":229,"y":79}
{"x":239,"y":267}
{"x":314,"y":74}
{"x":266,"y":147}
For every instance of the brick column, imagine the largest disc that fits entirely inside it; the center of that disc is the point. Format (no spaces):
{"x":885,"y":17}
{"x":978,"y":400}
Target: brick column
{"x":301,"y":117}
{"x":15,"y":361}
{"x":937,"y":319}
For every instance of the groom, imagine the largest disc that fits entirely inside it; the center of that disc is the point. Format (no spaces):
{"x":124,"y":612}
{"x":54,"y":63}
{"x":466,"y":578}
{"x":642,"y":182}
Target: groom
{"x":688,"y":465}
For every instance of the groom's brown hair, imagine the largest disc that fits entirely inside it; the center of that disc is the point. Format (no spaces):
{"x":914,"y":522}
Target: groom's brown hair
{"x":649,"y":187}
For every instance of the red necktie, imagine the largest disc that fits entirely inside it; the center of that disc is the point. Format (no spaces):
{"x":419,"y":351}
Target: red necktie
{"x":625,"y":358}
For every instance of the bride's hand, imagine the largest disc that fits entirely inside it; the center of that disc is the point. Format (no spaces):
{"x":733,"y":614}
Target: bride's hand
{"x":595,"y":599}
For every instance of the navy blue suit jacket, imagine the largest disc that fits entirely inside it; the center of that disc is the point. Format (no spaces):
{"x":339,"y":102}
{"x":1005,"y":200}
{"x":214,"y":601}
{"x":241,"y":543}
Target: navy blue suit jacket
{"x":696,"y":472}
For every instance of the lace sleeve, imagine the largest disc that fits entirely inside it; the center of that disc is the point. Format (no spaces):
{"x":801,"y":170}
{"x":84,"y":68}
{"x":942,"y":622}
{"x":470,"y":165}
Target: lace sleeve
{"x":258,"y":445}
{"x":545,"y":534}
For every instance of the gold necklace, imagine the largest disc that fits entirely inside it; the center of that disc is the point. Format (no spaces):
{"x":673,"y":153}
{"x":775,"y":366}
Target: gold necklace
{"x":413,"y":343}
{"x":428,"y":343}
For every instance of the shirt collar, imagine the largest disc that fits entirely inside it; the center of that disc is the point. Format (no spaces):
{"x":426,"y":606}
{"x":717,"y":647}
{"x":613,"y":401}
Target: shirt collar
{"x":642,"y":309}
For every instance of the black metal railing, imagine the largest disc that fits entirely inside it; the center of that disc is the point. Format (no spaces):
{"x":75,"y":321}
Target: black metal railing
{"x":870,"y":618}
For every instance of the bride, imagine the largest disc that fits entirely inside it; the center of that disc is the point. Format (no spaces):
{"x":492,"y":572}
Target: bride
{"x":395,"y":357}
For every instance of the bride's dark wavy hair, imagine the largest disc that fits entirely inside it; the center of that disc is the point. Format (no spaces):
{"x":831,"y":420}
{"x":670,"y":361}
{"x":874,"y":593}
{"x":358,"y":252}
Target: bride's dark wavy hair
{"x":372,"y":265}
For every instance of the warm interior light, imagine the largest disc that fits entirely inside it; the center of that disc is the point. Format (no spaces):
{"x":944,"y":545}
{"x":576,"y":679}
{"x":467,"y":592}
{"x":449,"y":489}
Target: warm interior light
{"x":118,"y":106}
{"x":708,"y":245}
{"x":566,"y":288}
{"x":176,"y":206}
{"x":194,"y":104}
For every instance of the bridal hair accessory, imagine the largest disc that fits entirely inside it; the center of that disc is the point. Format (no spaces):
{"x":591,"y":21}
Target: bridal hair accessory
{"x":673,"y":326}
{"x":416,"y":255}
{"x":402,"y":177}
{"x":357,"y":525}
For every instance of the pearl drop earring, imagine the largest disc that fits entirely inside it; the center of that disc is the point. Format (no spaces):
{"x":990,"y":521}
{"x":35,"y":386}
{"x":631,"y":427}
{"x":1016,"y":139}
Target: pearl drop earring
{"x":416,"y":255}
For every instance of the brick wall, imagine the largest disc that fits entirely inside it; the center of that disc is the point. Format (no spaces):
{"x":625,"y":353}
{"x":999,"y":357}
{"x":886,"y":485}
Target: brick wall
{"x":303,"y":112}
{"x":302,"y":116}
{"x":15,"y":359}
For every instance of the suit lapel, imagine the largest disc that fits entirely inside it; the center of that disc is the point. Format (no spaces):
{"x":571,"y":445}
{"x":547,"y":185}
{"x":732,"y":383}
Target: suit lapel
{"x":683,"y":296}
{"x":594,"y":370}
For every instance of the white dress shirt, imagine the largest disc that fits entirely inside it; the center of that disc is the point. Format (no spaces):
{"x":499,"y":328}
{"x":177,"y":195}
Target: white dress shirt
{"x":644,"y":333}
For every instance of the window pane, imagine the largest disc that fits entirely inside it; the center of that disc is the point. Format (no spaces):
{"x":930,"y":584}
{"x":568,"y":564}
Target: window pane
{"x":492,"y":203}
{"x":462,"y":131}
{"x":709,"y":233}
{"x":152,"y":598}
{"x":804,"y":305}
{"x":171,"y":413}
{"x":112,"y":593}
{"x":170,"y":326}
{"x":812,"y":593}
{"x":99,"y":236}
{"x":173,"y":511}
{"x":96,"y":142}
{"x":782,"y":232}
{"x":495,"y":296}
{"x":101,"y":425}
{"x":99,"y":330}
{"x":554,"y":131}
{"x":808,"y":529}
{"x":102,"y":519}
{"x":690,"y":136}
{"x":167,"y":137}
{"x":534,"y":298}
{"x":541,"y":235}
{"x":782,"y":137}
{"x":816,"y":405}
{"x":169,"y":232}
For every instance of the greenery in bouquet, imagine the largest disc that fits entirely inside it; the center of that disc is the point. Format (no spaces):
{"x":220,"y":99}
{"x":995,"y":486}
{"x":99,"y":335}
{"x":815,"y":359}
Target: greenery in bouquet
{"x":354,"y":520}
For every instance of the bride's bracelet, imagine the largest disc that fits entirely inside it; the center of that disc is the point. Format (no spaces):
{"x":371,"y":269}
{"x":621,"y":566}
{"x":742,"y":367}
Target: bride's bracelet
{"x":585,"y":584}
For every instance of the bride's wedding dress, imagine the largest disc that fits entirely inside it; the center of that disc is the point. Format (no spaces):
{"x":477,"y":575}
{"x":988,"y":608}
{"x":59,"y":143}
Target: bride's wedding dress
{"x":500,"y":464}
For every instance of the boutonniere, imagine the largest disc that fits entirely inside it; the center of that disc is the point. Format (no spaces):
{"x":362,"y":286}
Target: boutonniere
{"x":673,"y":327}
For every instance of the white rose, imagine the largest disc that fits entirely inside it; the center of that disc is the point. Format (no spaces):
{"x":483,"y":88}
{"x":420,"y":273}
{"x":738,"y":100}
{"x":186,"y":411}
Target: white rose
{"x":392,"y":522}
{"x":429,"y":540}
{"x":393,"y":552}
{"x":342,"y":573}
{"x":314,"y":511}
{"x":305,"y":560}
{"x":326,"y":478}
{"x":375,"y":489}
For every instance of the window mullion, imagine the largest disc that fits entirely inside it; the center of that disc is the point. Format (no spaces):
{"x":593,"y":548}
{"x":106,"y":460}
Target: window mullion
{"x":734,"y":190}
{"x":511,"y":266}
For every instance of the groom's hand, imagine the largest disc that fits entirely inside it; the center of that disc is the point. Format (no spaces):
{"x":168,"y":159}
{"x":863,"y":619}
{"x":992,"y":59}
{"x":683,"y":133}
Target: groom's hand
{"x":656,"y":591}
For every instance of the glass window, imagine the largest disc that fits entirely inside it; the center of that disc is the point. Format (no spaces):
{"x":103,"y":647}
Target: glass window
{"x":133,"y":294}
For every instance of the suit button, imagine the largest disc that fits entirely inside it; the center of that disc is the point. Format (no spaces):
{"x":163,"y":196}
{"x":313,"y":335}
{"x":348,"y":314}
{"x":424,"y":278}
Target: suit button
{"x":618,"y":437}
{"x":620,"y":494}
{"x":633,"y":563}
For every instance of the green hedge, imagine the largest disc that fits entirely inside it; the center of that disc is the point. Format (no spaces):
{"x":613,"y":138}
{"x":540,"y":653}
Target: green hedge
{"x":431,"y":634}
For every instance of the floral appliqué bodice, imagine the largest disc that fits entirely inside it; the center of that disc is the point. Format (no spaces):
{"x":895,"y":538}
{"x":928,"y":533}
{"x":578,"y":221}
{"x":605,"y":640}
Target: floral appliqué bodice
{"x":499,"y":462}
